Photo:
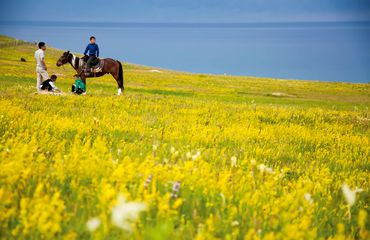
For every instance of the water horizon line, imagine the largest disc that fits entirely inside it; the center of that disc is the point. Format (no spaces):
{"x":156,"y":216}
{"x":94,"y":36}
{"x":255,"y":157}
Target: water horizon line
{"x":127,"y":24}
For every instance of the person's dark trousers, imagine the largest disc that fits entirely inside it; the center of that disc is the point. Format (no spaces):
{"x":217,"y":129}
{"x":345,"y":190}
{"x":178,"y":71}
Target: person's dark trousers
{"x":46,"y":86}
{"x":88,"y":63}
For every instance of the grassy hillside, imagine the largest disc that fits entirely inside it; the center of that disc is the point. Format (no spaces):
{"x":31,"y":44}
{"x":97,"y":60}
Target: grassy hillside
{"x":209,"y":156}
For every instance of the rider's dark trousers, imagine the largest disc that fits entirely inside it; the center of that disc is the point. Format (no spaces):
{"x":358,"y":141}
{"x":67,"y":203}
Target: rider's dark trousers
{"x":88,"y":63}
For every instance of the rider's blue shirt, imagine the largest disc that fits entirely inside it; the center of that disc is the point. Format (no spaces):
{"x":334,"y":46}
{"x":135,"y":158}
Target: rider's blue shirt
{"x":93,"y":49}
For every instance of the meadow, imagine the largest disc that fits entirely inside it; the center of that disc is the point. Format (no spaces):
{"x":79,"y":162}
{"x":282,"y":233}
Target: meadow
{"x":181,"y":156}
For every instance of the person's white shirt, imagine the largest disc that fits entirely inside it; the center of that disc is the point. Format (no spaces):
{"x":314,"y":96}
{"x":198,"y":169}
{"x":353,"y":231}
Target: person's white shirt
{"x":53,"y":86}
{"x":39,"y":56}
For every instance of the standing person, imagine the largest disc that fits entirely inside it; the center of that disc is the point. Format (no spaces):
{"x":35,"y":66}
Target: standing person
{"x":93,"y":50}
{"x":41,"y":69}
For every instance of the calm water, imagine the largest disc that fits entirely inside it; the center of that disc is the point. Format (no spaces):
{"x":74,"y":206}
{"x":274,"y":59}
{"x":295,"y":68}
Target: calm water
{"x":328,"y":52}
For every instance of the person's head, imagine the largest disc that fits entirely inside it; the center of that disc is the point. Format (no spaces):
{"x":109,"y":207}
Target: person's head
{"x":42,"y":46}
{"x":53,"y":77}
{"x":92,"y":39}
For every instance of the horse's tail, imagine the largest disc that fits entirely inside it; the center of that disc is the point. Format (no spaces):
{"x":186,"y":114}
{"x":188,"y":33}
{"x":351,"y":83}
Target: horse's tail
{"x":120,"y":74}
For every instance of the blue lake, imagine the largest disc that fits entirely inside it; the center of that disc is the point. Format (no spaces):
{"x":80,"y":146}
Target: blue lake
{"x":315,"y":51}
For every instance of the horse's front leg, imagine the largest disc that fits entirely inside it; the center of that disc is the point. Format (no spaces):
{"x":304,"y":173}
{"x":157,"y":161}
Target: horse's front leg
{"x":83,"y":78}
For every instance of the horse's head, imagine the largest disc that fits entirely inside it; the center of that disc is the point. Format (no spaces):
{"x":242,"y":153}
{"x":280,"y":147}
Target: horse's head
{"x":63,"y":59}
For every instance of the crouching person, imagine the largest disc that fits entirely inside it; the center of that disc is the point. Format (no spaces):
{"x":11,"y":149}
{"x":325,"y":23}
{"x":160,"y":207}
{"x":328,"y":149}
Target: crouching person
{"x":79,"y":87}
{"x":49,"y":84}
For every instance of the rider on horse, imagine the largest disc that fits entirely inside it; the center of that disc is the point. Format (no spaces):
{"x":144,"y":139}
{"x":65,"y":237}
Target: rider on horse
{"x":93,"y":50}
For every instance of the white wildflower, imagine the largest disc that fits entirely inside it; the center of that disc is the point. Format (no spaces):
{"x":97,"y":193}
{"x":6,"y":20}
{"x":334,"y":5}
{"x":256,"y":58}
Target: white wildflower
{"x":264,"y":168}
{"x":235,"y":223}
{"x":196,"y":155}
{"x":233,"y":161}
{"x":123,"y":213}
{"x":308,"y":198}
{"x":349,"y":195}
{"x":93,"y":224}
{"x":155,"y":147}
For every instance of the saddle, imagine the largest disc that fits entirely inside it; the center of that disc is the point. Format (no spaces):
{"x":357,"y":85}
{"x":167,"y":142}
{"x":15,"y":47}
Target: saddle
{"x":96,"y":64}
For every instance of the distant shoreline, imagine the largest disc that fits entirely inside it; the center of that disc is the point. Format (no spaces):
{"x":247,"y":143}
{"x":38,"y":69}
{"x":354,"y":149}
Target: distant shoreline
{"x":320,"y":24}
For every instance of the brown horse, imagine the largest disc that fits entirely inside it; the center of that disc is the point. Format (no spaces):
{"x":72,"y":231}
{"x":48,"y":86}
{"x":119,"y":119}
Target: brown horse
{"x":106,"y":66}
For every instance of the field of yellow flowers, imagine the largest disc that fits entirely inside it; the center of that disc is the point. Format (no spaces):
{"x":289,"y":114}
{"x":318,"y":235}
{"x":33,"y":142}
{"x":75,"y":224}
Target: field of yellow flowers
{"x":181,"y":156}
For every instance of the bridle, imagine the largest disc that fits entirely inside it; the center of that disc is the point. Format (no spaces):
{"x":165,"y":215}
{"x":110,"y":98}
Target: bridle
{"x":66,"y":57}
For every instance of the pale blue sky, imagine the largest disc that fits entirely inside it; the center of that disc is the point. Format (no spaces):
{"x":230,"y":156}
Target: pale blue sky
{"x":186,"y":10}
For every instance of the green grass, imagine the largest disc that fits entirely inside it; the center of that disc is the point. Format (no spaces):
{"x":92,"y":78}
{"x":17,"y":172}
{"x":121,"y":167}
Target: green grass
{"x":138,"y":79}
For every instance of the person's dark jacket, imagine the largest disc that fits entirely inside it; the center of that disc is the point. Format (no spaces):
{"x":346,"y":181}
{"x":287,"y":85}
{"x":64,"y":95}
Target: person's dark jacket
{"x":93,"y":49}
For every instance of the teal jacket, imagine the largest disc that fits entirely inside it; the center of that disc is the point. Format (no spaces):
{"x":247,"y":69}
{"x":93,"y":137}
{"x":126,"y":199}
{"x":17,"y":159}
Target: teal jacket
{"x":80,"y":84}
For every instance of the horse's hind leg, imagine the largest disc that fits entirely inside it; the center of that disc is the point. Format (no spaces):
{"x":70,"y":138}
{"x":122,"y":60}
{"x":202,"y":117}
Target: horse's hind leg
{"x":119,"y":78}
{"x":119,"y":83}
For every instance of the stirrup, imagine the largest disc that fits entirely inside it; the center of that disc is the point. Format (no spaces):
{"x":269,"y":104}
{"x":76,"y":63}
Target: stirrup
{"x":88,"y":74}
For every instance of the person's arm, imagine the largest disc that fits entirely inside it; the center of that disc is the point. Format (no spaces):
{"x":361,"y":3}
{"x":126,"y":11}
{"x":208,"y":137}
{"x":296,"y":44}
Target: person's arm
{"x":53,"y":86}
{"x":43,"y":61}
{"x":97,"y":50}
{"x":86,"y":50}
